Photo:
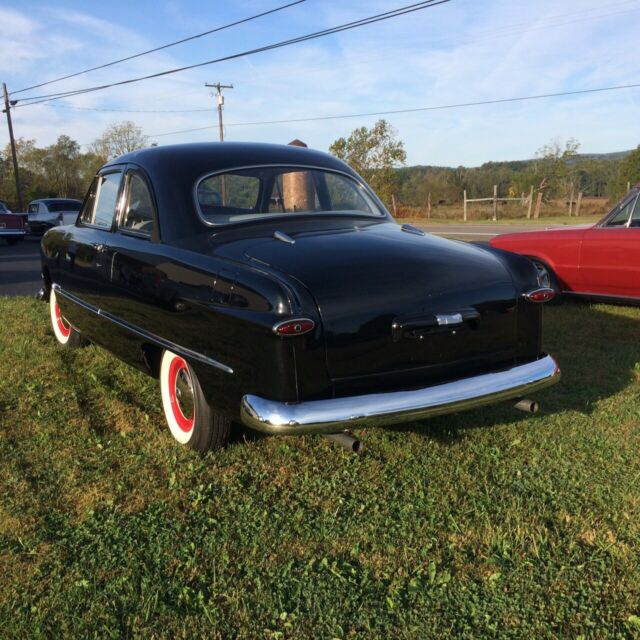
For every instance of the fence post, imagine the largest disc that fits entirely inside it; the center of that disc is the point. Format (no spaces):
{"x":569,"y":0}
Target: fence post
{"x":465,"y":206}
{"x":571,"y":200}
{"x":536,"y":213}
{"x":530,"y":202}
{"x":495,"y":201}
{"x":393,"y":204}
{"x":578,"y":203}
{"x":429,"y":205}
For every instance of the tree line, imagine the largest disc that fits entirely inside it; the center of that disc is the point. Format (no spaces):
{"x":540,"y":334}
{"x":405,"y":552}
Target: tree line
{"x":64,"y":170}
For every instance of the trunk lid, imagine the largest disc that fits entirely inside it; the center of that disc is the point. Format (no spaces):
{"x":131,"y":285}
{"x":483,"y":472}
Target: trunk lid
{"x":379,"y":289}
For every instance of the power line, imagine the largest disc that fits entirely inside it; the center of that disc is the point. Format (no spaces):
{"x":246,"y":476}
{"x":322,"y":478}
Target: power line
{"x":164,"y":46}
{"x":502,"y":31}
{"x":411,"y":110}
{"x":311,"y":36}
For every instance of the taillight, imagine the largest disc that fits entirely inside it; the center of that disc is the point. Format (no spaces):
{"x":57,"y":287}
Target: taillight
{"x":294,"y":327}
{"x":544,"y":294}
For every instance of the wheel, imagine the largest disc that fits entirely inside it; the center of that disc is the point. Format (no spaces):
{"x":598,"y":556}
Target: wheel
{"x":546,"y":277}
{"x":189,"y":416}
{"x":65,"y":334}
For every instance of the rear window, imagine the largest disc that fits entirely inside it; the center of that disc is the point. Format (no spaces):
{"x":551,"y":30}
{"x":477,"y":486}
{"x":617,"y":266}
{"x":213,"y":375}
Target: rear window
{"x":245,"y":194}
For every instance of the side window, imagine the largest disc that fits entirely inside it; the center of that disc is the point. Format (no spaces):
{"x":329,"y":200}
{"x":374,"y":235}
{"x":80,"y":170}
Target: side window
{"x":620,"y":218}
{"x":138,"y":215}
{"x":86,"y":215}
{"x":33,"y":208}
{"x":101,"y":203}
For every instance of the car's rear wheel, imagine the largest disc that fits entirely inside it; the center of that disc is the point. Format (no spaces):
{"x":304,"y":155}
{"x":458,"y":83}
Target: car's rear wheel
{"x":546,"y":277}
{"x":65,"y":334}
{"x":189,"y":416}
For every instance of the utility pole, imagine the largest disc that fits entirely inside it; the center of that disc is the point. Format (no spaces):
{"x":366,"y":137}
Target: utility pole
{"x":7,"y":110}
{"x":219,"y":87}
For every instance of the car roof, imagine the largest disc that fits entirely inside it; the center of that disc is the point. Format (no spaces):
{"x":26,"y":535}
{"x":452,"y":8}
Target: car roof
{"x":175,"y":169}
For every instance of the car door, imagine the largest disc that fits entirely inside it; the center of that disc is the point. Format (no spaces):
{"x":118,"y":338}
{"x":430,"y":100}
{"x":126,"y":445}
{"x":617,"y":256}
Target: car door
{"x":82,"y":269}
{"x":610,"y":253}
{"x":128,"y":258}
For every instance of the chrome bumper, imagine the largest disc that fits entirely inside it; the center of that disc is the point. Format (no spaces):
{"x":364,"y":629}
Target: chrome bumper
{"x":380,"y":409}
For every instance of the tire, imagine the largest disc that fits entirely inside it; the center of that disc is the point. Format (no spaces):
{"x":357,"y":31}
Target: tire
{"x":64,"y":333}
{"x":546,"y":277}
{"x":190,"y":418}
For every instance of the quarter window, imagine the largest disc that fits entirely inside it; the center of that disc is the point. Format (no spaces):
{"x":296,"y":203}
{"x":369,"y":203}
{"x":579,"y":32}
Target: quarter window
{"x":100,"y":206}
{"x":138,"y":215}
{"x":621,"y":218}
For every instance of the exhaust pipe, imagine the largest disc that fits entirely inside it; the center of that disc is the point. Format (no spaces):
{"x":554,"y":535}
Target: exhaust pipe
{"x":526,"y":405}
{"x":348,"y":441}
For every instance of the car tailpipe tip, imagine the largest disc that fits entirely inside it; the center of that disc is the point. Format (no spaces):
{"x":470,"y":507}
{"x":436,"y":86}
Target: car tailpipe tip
{"x":348,"y":441}
{"x":526,"y":405}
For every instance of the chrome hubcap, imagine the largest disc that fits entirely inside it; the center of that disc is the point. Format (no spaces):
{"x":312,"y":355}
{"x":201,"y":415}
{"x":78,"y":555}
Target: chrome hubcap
{"x":184,"y":393}
{"x":543,"y":275}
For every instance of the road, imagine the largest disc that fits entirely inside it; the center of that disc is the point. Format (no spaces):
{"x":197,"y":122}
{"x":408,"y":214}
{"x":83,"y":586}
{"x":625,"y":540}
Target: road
{"x":477,"y":232}
{"x":20,"y":264}
{"x":20,"y":268}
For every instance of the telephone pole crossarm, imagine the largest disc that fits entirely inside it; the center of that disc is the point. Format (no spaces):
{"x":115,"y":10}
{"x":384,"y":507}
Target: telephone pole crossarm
{"x":219,"y":87}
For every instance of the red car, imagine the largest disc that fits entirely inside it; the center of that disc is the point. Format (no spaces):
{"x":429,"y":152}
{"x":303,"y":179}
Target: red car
{"x":595,"y":261}
{"x":12,"y":225}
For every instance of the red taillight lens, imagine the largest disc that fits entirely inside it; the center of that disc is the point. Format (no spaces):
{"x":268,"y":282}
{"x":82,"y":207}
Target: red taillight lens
{"x":540,"y":295}
{"x":294,"y":327}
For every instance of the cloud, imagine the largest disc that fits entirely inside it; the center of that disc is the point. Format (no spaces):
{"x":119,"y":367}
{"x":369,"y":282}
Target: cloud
{"x":458,"y":52}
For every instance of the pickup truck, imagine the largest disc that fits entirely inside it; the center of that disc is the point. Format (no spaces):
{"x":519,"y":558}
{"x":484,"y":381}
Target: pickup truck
{"x":12,"y":225}
{"x":45,"y":213}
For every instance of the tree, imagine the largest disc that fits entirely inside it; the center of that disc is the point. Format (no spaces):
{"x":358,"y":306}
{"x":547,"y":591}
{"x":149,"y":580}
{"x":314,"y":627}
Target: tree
{"x":553,"y":168}
{"x":629,"y":172}
{"x":373,"y":153}
{"x":119,"y":138}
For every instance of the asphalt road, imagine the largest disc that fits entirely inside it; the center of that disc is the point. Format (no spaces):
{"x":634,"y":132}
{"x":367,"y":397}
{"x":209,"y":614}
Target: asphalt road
{"x":476,"y":232}
{"x":20,"y":268}
{"x":20,"y":264}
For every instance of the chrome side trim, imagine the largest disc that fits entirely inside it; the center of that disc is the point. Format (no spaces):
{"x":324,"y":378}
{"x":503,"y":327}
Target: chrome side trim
{"x":381,"y":409}
{"x":146,"y":335}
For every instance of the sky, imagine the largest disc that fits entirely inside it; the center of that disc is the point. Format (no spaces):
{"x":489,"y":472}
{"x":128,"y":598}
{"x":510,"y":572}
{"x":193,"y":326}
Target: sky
{"x":458,"y":52}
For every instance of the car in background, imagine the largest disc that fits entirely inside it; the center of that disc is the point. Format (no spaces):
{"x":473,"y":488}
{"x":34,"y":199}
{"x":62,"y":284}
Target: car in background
{"x":600,"y":261}
{"x":12,"y":225}
{"x":268,"y":285}
{"x":45,"y":213}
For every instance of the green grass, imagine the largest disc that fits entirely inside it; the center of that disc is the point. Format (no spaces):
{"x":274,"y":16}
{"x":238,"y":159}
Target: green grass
{"x":486,"y":524}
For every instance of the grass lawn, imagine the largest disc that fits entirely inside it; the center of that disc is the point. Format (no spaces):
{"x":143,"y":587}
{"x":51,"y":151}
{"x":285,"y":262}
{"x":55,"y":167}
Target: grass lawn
{"x":486,"y":524}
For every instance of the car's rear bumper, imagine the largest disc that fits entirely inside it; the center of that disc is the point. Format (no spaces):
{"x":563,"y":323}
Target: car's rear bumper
{"x":380,"y":409}
{"x":12,"y":233}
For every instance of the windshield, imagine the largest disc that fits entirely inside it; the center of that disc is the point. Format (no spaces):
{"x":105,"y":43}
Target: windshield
{"x":244,"y":194}
{"x":54,"y":207}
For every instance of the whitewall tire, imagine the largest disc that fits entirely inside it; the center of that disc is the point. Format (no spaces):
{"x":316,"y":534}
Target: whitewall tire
{"x":65,"y":334}
{"x":190,"y":419}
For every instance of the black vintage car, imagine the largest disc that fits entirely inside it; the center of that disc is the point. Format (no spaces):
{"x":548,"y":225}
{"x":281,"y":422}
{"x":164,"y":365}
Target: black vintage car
{"x":267,"y":284}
